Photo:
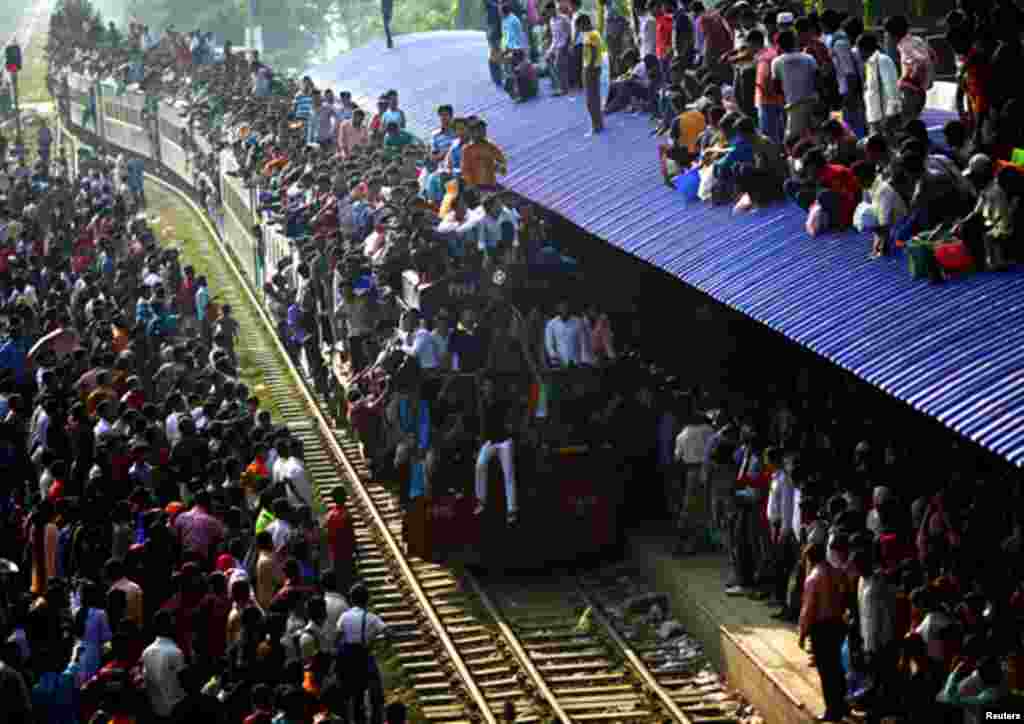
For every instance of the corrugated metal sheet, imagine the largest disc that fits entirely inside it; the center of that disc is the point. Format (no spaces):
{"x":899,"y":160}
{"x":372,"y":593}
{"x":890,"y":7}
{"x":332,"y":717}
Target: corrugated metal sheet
{"x":951,"y":351}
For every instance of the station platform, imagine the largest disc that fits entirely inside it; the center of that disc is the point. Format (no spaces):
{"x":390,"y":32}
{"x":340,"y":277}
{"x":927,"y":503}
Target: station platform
{"x":758,"y":655}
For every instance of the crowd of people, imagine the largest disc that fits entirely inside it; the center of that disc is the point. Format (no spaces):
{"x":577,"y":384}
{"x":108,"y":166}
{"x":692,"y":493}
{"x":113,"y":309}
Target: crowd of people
{"x":161,"y":560}
{"x":905,"y":575}
{"x":760,"y":103}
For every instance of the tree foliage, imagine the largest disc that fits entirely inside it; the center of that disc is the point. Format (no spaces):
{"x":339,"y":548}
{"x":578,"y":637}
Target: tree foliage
{"x":295,"y":32}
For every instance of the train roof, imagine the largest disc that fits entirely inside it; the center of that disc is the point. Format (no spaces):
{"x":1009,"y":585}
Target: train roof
{"x":951,"y":351}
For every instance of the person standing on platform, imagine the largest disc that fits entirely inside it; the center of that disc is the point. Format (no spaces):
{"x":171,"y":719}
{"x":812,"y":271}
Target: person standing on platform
{"x":691,"y":445}
{"x":782,"y":533}
{"x":593,"y":53}
{"x":821,"y":620}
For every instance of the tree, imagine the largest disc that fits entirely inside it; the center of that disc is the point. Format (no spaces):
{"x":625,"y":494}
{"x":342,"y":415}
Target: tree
{"x":361,"y":20}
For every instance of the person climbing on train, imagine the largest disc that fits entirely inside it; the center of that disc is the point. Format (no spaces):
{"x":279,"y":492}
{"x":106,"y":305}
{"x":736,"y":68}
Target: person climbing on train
{"x":495,"y":438}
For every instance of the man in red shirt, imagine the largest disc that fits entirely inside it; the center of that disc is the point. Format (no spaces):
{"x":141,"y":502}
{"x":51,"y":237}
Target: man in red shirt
{"x":341,"y":540}
{"x":838,"y":188}
{"x":718,"y":40}
{"x":663,"y":25}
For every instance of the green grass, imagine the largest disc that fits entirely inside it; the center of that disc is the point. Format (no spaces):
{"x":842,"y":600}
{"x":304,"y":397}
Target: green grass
{"x":179,"y":227}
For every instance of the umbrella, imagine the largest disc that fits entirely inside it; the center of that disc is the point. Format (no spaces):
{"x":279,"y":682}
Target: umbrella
{"x":60,"y":341}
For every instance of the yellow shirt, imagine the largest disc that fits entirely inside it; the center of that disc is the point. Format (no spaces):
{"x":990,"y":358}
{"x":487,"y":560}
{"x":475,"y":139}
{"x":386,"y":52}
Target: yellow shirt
{"x":451,"y":194}
{"x":593,"y":49}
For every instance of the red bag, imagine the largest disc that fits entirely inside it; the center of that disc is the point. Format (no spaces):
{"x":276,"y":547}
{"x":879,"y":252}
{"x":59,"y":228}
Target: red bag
{"x":953,"y":256}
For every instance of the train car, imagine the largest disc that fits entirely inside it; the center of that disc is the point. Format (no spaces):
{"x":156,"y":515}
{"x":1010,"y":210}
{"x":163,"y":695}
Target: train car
{"x":569,"y":485}
{"x":524,"y":285}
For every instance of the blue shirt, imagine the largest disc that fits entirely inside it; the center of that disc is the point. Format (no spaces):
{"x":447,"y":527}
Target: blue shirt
{"x":303,"y":107}
{"x":392,"y":116}
{"x":455,"y":155}
{"x":742,"y":151}
{"x":14,"y":357}
{"x":435,"y":188}
{"x":361,"y":213}
{"x":441,"y":141}
{"x":202,"y":302}
{"x":512,"y":36}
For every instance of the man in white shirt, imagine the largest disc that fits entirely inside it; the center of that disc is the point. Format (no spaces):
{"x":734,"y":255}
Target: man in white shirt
{"x":781,"y":522}
{"x":290,"y":472}
{"x":357,"y":630}
{"x":335,"y":605}
{"x":162,"y":661}
{"x":312,"y":637}
{"x":691,"y":443}
{"x":419,"y":343}
{"x":648,"y":32}
{"x":489,"y":224}
{"x":562,"y":338}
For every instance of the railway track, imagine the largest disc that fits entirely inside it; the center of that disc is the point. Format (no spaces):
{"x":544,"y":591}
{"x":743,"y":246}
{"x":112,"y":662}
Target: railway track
{"x":466,"y":649}
{"x":466,"y":657}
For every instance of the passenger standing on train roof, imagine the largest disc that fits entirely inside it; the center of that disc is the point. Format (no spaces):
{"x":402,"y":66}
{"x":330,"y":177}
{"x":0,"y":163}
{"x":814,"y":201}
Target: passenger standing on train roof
{"x":345,"y":107}
{"x":482,"y":161}
{"x":443,"y":137}
{"x":557,"y":56}
{"x":648,"y":29}
{"x":593,"y":53}
{"x":326,"y":121}
{"x":393,"y":112}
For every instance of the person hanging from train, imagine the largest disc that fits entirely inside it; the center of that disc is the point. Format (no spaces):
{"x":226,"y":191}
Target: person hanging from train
{"x":495,"y":438}
{"x":409,"y":414}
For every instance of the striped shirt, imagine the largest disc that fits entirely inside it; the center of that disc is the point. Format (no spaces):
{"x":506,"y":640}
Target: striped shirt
{"x":303,"y":107}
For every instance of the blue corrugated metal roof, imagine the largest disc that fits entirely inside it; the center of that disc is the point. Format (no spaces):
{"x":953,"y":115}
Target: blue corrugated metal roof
{"x":951,"y":351}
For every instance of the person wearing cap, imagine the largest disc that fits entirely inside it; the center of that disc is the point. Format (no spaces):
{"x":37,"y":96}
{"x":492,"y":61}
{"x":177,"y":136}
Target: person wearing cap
{"x":988,"y":229}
